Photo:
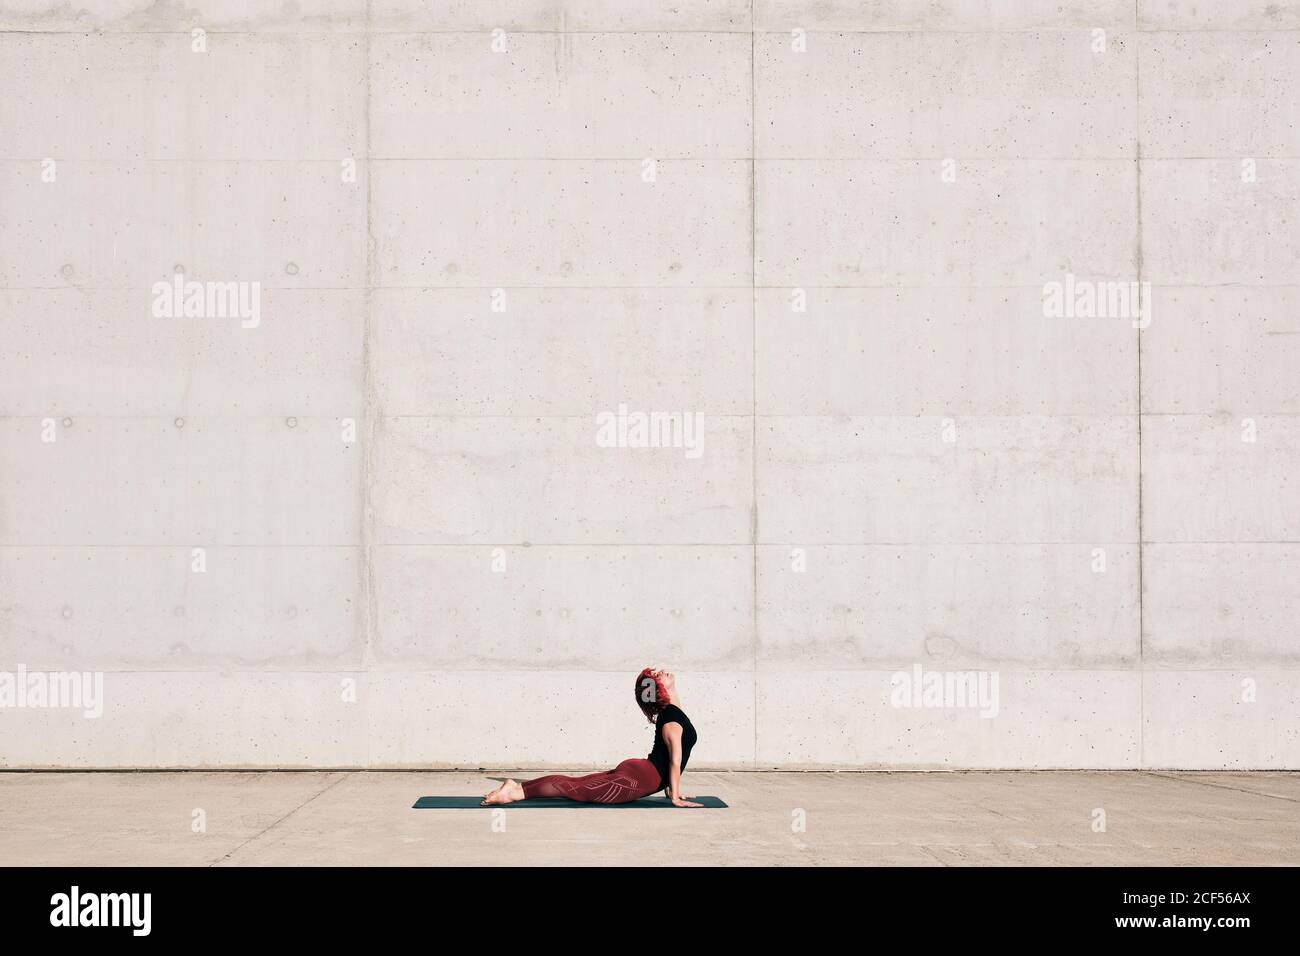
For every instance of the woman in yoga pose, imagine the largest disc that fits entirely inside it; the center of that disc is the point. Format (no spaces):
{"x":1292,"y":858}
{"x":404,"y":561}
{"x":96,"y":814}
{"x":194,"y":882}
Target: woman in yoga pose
{"x":634,"y":778}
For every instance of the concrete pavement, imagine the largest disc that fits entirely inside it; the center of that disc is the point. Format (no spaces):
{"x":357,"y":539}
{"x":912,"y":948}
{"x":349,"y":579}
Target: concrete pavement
{"x":1125,"y":818}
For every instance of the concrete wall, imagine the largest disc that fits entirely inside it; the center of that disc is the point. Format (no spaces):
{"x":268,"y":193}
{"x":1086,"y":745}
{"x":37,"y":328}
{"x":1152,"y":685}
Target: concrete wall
{"x":919,"y":468}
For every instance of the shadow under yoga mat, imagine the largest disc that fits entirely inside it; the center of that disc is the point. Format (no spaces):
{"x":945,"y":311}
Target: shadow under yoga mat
{"x":472,"y":803}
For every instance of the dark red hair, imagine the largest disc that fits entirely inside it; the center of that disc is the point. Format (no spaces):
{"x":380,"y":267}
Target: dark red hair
{"x":651,"y":694}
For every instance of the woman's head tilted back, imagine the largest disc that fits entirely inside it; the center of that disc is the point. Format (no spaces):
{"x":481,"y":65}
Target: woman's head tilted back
{"x":654,"y":690}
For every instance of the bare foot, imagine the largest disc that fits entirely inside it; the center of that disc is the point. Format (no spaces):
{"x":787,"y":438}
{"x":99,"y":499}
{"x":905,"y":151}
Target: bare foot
{"x":508,"y":792}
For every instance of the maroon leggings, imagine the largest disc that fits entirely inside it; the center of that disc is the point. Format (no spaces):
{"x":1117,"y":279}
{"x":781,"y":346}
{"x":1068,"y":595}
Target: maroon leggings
{"x":631,"y":780}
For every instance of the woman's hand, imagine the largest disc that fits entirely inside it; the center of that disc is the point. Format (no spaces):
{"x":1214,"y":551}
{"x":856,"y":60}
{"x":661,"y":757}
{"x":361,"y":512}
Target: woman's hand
{"x":672,"y":733}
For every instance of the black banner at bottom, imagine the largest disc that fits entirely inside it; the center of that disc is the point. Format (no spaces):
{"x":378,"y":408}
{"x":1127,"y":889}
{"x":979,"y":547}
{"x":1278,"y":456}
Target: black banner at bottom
{"x":335,"y":905}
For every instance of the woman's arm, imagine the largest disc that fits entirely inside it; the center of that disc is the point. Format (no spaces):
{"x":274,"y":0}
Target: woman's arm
{"x":673,"y":734}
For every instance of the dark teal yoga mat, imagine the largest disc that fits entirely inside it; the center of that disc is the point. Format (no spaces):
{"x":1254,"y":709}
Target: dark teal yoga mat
{"x":472,"y":803}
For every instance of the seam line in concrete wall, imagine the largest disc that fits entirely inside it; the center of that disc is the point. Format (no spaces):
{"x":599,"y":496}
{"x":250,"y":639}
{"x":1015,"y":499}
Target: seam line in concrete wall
{"x":1137,"y":179}
{"x":753,"y":308}
{"x":370,"y":612}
